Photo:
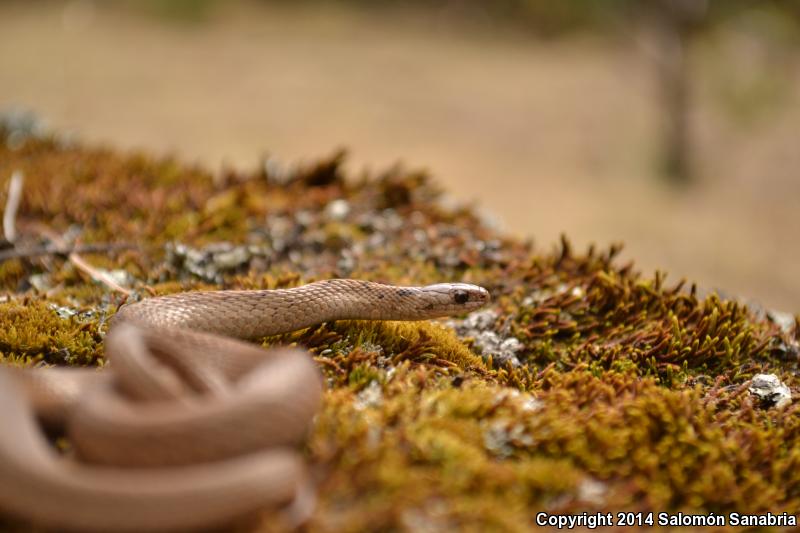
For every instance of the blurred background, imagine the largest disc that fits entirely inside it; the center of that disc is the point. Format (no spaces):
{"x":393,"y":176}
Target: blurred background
{"x":670,"y":125}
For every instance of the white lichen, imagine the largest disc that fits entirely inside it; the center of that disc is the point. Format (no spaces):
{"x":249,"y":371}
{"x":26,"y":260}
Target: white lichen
{"x":479,"y":326}
{"x":770,"y":391}
{"x":370,"y":396}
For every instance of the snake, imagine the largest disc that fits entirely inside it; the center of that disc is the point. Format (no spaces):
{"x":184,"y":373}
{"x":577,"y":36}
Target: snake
{"x":190,"y":424}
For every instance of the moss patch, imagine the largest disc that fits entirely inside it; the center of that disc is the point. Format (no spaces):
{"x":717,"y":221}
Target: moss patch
{"x":630,"y":393}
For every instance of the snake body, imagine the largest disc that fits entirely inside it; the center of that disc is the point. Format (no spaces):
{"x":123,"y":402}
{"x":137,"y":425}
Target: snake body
{"x":190,"y":427}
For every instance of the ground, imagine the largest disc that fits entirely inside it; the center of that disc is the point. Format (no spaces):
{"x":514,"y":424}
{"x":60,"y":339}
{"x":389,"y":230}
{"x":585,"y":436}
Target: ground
{"x":586,"y":386}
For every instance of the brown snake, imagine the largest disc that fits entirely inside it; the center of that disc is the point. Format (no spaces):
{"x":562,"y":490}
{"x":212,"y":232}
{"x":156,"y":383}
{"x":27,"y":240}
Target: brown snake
{"x":189,"y":427}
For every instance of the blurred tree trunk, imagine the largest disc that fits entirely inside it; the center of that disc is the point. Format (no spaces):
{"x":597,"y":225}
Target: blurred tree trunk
{"x":676,"y":24}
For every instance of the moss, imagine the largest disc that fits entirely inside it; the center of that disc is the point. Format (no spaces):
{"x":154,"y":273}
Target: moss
{"x":418,"y":341}
{"x":631,"y":393}
{"x":33,"y":330}
{"x":586,"y":310}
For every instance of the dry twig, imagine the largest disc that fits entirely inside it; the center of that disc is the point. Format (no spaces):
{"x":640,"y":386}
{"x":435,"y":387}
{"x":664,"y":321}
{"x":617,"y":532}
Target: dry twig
{"x":80,"y":263}
{"x":36,"y":251}
{"x":12,"y":205}
{"x":97,"y":275}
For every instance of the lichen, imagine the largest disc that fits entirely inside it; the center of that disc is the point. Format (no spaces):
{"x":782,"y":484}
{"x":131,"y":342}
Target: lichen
{"x":626,"y":392}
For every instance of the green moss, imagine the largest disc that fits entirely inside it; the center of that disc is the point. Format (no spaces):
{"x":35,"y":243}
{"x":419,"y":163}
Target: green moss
{"x":631,"y":393}
{"x":32,"y":330}
{"x":418,"y":341}
{"x":609,"y":317}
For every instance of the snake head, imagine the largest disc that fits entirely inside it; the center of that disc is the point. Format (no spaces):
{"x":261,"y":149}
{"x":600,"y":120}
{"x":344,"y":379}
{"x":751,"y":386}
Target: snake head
{"x":444,"y":299}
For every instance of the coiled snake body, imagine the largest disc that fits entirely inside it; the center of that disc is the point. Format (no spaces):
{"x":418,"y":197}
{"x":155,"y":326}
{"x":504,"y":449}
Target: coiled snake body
{"x":189,"y":427}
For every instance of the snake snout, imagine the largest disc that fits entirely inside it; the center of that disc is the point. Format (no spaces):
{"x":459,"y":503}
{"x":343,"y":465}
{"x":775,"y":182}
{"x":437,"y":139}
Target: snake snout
{"x":470,"y":296}
{"x":456,"y":298}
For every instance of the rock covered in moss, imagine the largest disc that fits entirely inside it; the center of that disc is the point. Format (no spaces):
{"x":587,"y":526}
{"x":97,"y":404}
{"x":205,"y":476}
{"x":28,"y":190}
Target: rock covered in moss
{"x":586,"y":386}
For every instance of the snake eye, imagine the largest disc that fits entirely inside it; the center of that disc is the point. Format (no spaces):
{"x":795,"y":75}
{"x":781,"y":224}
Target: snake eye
{"x":461,"y":297}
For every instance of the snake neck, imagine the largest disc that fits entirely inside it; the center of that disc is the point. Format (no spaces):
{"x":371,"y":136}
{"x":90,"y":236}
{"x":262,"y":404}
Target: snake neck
{"x":347,"y":299}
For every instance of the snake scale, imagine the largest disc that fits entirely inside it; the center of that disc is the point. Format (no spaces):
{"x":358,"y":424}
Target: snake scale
{"x":189,"y":427}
